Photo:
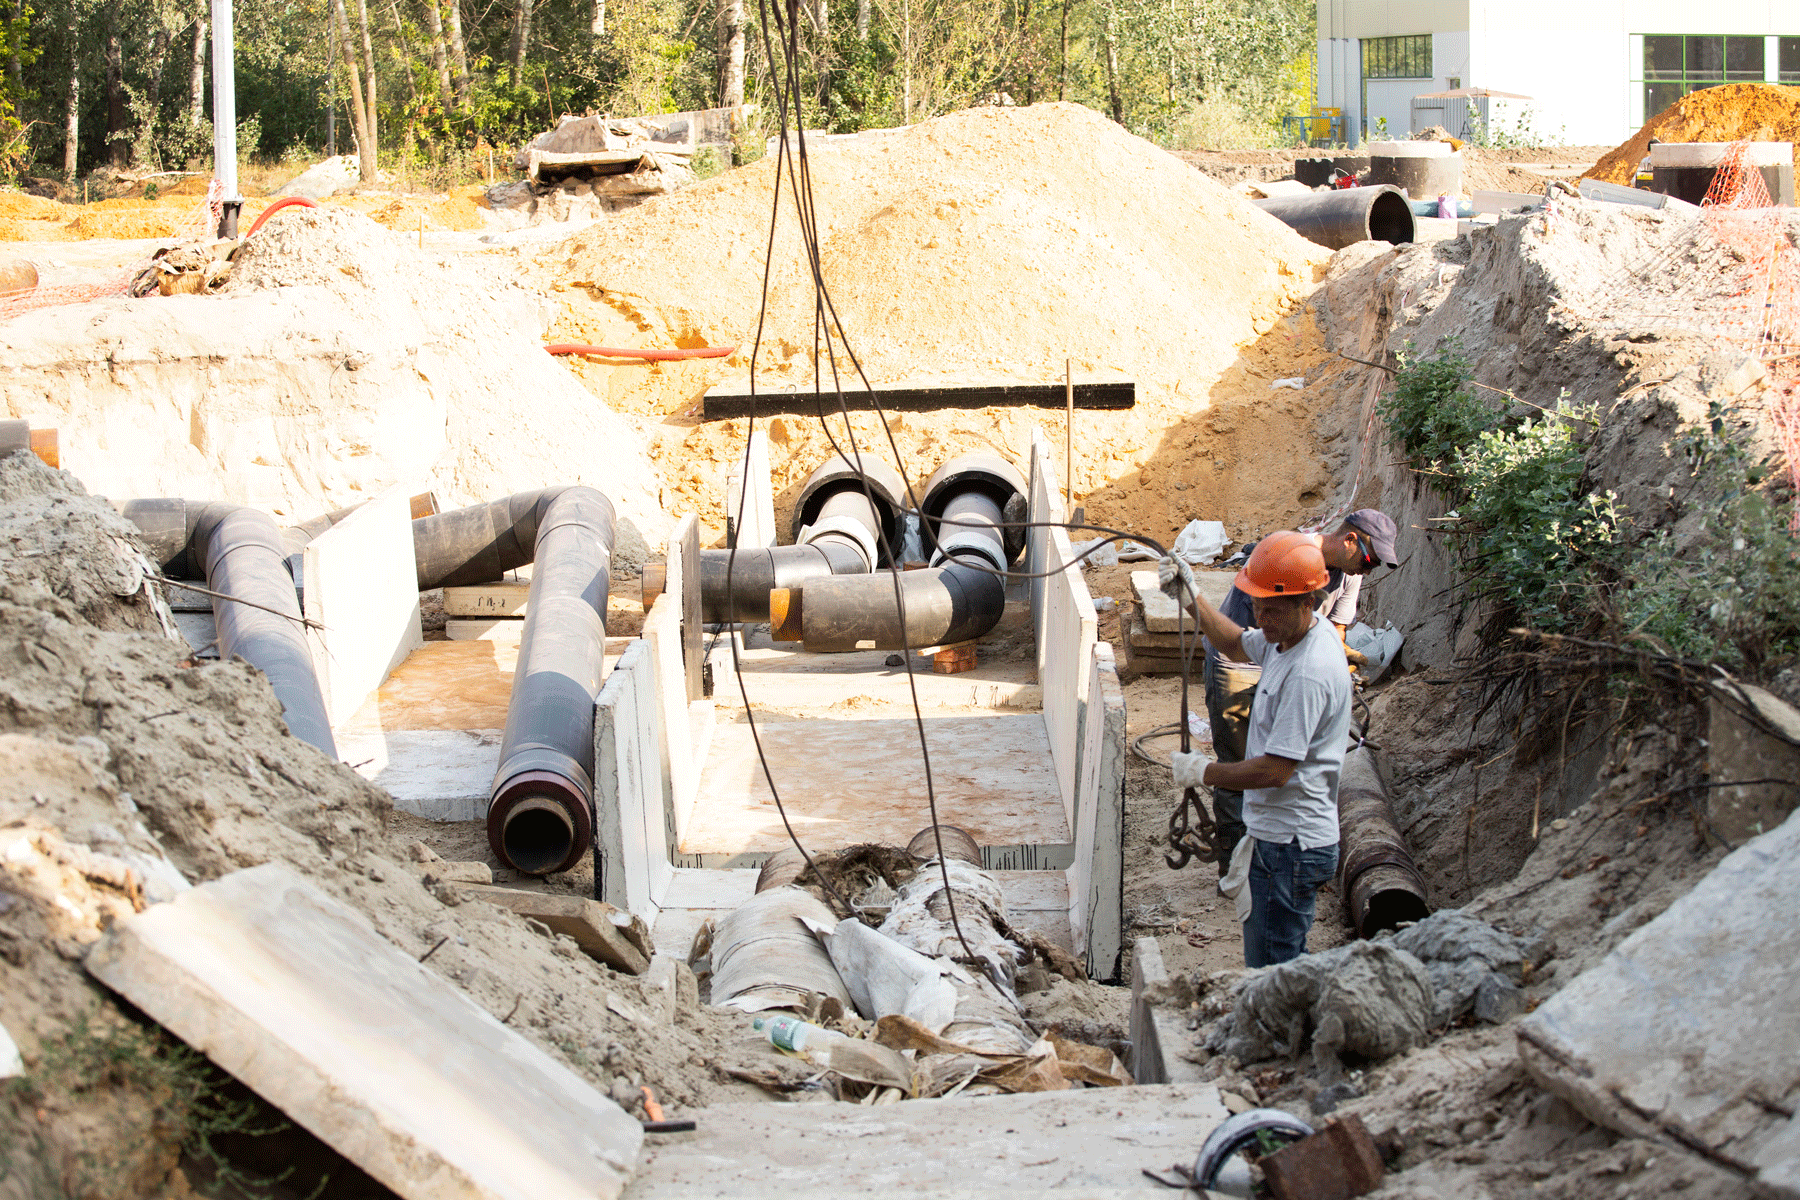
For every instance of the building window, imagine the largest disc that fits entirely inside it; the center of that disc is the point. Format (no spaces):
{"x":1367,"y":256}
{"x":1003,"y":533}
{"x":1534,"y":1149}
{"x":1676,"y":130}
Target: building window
{"x":1788,"y":62}
{"x":1676,"y":64}
{"x":1397,"y":57}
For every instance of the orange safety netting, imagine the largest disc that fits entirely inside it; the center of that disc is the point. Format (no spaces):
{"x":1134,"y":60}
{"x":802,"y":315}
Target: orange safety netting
{"x":200,"y":225}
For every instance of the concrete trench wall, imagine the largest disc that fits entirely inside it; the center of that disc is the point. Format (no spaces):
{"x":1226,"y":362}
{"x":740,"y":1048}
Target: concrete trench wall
{"x":650,"y":742}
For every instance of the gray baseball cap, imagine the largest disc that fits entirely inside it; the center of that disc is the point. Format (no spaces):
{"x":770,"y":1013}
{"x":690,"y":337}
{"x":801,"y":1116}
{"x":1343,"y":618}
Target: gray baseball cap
{"x":1380,"y":530}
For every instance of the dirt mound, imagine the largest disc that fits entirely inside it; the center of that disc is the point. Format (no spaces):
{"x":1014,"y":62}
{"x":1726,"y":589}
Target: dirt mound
{"x":1737,"y":112}
{"x":994,"y":243}
{"x":329,"y":247}
{"x":26,"y":207}
{"x":117,"y":750}
{"x":459,"y":210}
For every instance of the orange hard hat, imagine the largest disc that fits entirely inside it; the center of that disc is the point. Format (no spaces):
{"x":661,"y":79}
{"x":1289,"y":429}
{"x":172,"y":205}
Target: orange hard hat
{"x":1284,"y":564}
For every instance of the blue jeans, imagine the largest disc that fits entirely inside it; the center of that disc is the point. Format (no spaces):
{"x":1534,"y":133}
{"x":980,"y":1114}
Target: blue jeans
{"x":1284,"y":881}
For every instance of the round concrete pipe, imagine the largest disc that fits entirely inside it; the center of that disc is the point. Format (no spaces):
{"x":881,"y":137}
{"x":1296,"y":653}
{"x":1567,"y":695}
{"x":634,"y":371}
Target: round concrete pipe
{"x":1345,"y":216}
{"x":958,"y":602}
{"x":755,"y":573}
{"x":1377,"y":877}
{"x":240,"y":553}
{"x":879,"y":486}
{"x":986,"y":475}
{"x":540,"y":816}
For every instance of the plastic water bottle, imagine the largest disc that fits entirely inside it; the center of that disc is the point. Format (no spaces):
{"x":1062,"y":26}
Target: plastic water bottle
{"x":791,"y":1033}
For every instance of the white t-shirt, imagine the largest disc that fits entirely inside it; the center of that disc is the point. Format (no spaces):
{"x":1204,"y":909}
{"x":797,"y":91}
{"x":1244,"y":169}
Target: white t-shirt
{"x":1301,"y":712}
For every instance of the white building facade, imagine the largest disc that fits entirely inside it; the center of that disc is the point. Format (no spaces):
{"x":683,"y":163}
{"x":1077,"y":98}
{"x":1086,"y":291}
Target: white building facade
{"x":1595,"y":69}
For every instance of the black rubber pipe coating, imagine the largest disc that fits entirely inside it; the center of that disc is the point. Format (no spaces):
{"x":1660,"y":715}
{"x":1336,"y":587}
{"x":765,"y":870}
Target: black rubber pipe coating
{"x":1377,"y":876}
{"x":1344,"y":216}
{"x":540,"y":816}
{"x":957,"y":602}
{"x":755,"y":572}
{"x":240,"y":552}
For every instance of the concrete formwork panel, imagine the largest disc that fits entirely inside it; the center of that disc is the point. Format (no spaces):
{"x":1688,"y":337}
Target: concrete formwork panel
{"x":298,"y":996}
{"x":362,"y":591}
{"x":632,"y":828}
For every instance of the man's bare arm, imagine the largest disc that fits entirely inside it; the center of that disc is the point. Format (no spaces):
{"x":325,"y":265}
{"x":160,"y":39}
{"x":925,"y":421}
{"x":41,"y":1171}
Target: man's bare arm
{"x":1263,"y":771}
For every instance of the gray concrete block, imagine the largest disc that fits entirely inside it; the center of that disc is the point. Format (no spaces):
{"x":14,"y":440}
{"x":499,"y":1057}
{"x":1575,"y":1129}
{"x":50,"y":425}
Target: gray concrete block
{"x":298,"y":997}
{"x":1688,"y":1032}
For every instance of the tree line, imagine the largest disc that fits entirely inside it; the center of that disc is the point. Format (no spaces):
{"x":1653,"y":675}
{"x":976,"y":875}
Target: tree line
{"x":126,"y":84}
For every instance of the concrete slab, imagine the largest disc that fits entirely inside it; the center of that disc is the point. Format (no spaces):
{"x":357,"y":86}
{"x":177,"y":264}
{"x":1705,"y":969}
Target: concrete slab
{"x":693,"y":897}
{"x":438,"y":774}
{"x":484,"y":629}
{"x":1160,"y":611}
{"x":1093,"y":1143}
{"x":1688,"y":1032}
{"x":778,"y":676}
{"x":201,"y":631}
{"x":632,"y":822}
{"x":362,"y":591}
{"x":389,"y":1064}
{"x":849,"y":781}
{"x":1038,"y":902}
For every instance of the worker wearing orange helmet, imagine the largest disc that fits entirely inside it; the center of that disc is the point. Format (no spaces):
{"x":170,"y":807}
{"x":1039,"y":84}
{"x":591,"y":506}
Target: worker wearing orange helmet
{"x":1294,"y":749}
{"x":1363,"y":542}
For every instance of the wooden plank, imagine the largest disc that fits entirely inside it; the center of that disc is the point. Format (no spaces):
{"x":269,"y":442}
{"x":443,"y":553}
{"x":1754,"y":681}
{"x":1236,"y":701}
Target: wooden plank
{"x":733,"y":400}
{"x":498,"y":599}
{"x":484,"y":629}
{"x":688,"y":533}
{"x":606,"y":934}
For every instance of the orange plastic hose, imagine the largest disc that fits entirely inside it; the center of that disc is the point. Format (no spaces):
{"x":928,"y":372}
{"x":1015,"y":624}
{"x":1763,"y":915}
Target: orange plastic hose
{"x":285,"y":202}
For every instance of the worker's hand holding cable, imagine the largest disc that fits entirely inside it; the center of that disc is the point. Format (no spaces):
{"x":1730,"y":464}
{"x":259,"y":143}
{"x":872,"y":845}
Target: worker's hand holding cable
{"x":1176,"y":580}
{"x":1190,"y":768}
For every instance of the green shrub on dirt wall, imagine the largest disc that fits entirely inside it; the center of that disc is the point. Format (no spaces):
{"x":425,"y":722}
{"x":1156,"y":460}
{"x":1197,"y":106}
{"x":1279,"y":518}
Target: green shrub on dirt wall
{"x":1734,"y":596}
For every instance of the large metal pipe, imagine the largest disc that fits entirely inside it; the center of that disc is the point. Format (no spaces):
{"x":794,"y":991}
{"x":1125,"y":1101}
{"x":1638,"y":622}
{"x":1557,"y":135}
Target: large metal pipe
{"x":843,"y":519}
{"x":1377,"y":877}
{"x":540,"y":813}
{"x":957,"y":601}
{"x":240,"y":552}
{"x":1345,"y":216}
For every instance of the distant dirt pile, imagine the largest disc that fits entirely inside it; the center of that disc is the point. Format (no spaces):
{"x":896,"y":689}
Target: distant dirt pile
{"x":1737,"y":112}
{"x":994,"y":243}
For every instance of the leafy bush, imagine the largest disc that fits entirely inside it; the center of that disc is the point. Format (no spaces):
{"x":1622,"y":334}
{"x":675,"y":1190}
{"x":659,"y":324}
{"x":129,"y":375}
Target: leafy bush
{"x":1433,"y":410}
{"x":1734,"y":598}
{"x":1535,"y":536}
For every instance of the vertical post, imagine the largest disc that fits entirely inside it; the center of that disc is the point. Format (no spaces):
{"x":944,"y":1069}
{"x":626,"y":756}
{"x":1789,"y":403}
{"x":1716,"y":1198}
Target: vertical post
{"x":1069,"y":435}
{"x":331,"y":93}
{"x":225,"y":116}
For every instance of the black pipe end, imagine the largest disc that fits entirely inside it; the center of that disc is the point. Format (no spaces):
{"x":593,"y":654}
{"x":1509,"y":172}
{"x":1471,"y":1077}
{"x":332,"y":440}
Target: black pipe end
{"x":538,"y":822}
{"x":1391,"y":219}
{"x":1392,"y":908}
{"x":839,"y":473}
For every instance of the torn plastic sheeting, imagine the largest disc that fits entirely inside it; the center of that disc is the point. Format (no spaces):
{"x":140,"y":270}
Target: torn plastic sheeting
{"x":885,"y":978}
{"x":10,"y":1061}
{"x":1380,"y":646}
{"x":764,"y":957}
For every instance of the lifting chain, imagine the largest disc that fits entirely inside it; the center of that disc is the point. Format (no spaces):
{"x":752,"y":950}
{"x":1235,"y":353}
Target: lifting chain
{"x":1191,"y":839}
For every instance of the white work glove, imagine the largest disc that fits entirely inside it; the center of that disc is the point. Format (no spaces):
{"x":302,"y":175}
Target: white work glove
{"x":1175,"y":580}
{"x":1189,"y":768}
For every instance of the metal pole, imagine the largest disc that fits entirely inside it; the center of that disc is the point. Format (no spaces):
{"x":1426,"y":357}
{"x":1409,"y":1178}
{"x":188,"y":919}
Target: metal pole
{"x":331,"y":93}
{"x":225,"y":116}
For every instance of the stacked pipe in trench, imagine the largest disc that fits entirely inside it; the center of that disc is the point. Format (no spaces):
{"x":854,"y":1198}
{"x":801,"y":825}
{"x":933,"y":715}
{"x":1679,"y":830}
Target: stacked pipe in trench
{"x":958,"y":599}
{"x":848,"y":512}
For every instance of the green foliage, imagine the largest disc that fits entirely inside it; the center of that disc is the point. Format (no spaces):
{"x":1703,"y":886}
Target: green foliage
{"x":1533,"y":533}
{"x":1433,"y":411}
{"x":1732,"y":597}
{"x":169,"y":1091}
{"x":1522,"y":134}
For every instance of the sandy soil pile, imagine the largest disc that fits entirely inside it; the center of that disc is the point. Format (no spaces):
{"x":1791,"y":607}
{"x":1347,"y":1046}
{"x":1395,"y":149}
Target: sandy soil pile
{"x":1748,"y":112}
{"x":990,"y":243}
{"x":119,"y":754}
{"x":460,"y":209}
{"x":341,"y":361}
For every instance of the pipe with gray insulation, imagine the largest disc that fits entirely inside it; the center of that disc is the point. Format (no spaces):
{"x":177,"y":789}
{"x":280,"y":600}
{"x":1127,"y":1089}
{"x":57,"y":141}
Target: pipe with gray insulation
{"x":959,"y":599}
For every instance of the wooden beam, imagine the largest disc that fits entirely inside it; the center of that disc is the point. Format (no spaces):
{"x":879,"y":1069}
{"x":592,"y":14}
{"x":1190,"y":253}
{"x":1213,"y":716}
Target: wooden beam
{"x":728,"y":401}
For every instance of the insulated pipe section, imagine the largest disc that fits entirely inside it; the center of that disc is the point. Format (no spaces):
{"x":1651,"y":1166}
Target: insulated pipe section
{"x":1376,"y":874}
{"x":240,"y":552}
{"x":1345,"y":216}
{"x":756,"y":573}
{"x":839,"y":527}
{"x":540,"y":814}
{"x":958,"y":602}
{"x":965,"y":483}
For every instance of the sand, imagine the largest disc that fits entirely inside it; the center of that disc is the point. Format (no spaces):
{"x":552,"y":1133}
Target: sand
{"x":1750,"y":112}
{"x":990,"y":243}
